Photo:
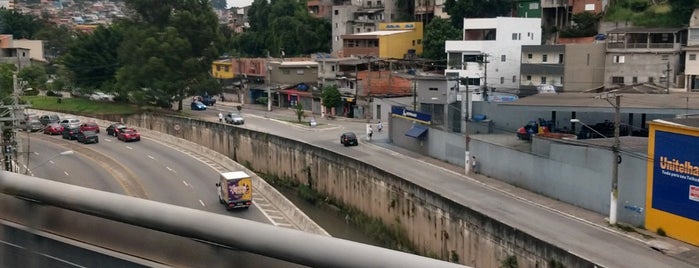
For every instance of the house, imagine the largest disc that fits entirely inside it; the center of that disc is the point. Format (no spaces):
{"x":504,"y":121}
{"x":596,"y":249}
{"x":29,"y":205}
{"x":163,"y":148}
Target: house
{"x":691,"y":69}
{"x":341,"y":73}
{"x":320,"y":8}
{"x":489,"y":54}
{"x":391,"y":41}
{"x":36,"y":48}
{"x":18,"y":56}
{"x":426,"y":10}
{"x":566,"y":67}
{"x":297,"y":84}
{"x":357,"y":16}
{"x":645,"y":55}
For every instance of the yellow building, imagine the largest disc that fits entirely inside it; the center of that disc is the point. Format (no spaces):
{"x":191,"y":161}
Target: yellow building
{"x":222,"y":69}
{"x":672,"y":191}
{"x":392,"y":41}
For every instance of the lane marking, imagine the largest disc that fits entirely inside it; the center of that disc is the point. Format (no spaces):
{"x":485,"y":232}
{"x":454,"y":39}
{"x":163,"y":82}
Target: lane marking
{"x":61,"y":260}
{"x":129,"y":147}
{"x":36,"y":153}
{"x":171,"y":170}
{"x":202,"y":203}
{"x":185,"y":183}
{"x":52,"y":163}
{"x":66,"y":172}
{"x":151,"y":157}
{"x":14,"y":245}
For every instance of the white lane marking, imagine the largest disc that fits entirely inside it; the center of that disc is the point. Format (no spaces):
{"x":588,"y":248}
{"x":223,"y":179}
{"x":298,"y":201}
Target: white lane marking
{"x":36,"y":153}
{"x":151,"y":157}
{"x":61,"y":260}
{"x":185,"y":183}
{"x":172,"y":170}
{"x":66,"y":172}
{"x":14,"y":245}
{"x":202,"y":203}
{"x":52,"y":163}
{"x":129,"y":147}
{"x":109,"y":140}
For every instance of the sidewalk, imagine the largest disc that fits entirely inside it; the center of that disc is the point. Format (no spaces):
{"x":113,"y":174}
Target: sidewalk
{"x":671,"y":247}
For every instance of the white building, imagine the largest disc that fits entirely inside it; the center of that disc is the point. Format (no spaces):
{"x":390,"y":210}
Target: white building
{"x":691,"y":71}
{"x":490,"y":51}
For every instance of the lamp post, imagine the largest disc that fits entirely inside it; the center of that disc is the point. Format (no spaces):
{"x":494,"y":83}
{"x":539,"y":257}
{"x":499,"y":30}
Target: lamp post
{"x":69,"y":152}
{"x":615,"y":165}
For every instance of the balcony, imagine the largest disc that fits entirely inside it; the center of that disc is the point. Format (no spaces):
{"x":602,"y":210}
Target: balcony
{"x":644,"y":46}
{"x":424,"y":9}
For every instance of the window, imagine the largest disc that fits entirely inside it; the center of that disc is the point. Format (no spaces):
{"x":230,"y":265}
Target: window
{"x":433,"y":89}
{"x":634,"y":80}
{"x":24,"y":54}
{"x":225,"y":68}
{"x":285,"y":71}
{"x":514,"y":36}
{"x":618,"y":59}
{"x":588,"y":59}
{"x":560,"y":58}
{"x":692,"y":56}
{"x":336,"y":12}
{"x":336,"y":25}
{"x":514,"y":78}
{"x":378,"y":3}
{"x":530,"y":56}
{"x":337,"y":38}
{"x":617,"y":79}
{"x":332,"y":68}
{"x":665,"y":57}
{"x":502,"y":58}
{"x":529,"y":78}
{"x":650,"y":79}
{"x":368,"y":3}
{"x":544,"y":58}
{"x":218,"y":68}
{"x":413,"y":42}
{"x":419,"y":41}
{"x":502,"y":80}
{"x":358,"y":30}
{"x":543,"y":80}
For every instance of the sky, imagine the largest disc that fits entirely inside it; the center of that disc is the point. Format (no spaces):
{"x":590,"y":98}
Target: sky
{"x":238,"y":3}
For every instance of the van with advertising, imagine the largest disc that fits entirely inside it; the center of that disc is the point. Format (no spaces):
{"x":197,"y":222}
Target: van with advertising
{"x":235,"y":189}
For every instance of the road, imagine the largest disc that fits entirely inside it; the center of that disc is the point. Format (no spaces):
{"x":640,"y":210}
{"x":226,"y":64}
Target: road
{"x":145,"y":169}
{"x":591,"y":242}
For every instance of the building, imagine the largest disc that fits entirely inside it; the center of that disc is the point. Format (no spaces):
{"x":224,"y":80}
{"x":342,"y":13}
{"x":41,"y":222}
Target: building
{"x":297,"y":83}
{"x":320,"y":8}
{"x":672,"y":195}
{"x":222,"y":69}
{"x":357,"y":16}
{"x":36,"y":48}
{"x":7,"y":4}
{"x":238,"y":19}
{"x":691,"y":68}
{"x":645,"y":55}
{"x":489,"y":54}
{"x":9,"y":53}
{"x":341,"y":73}
{"x":426,"y":10}
{"x":391,"y":41}
{"x":568,"y":68}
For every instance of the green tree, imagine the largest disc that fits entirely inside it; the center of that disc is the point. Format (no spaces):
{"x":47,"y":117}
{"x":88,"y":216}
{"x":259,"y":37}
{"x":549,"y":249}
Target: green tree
{"x":58,"y":39}
{"x":219,"y":4}
{"x":584,"y":24}
{"x":331,"y":96}
{"x":300,"y":113}
{"x":6,"y":71}
{"x":19,"y":25}
{"x":35,"y":76}
{"x":93,"y":58}
{"x":436,"y":32}
{"x":460,"y":9}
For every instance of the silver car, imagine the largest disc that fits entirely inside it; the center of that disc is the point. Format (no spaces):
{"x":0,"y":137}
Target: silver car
{"x":34,"y":125}
{"x":234,"y":118}
{"x":70,"y":123}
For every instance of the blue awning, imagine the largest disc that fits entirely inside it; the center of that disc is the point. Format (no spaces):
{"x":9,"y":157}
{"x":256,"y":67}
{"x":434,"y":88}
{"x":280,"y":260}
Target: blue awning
{"x":417,"y":131}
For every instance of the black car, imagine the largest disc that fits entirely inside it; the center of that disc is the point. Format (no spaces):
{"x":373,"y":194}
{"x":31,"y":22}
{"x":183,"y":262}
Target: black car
{"x":114,"y":129}
{"x":70,"y":133}
{"x":348,"y":139}
{"x":87,"y":137}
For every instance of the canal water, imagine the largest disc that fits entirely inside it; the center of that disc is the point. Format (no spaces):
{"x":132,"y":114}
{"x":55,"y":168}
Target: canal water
{"x":329,"y":219}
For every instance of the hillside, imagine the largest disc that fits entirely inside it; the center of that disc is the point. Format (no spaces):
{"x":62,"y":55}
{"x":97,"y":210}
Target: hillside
{"x":651,"y":13}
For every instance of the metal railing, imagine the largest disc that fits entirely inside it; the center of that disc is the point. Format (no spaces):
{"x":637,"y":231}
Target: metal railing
{"x":264,"y":239}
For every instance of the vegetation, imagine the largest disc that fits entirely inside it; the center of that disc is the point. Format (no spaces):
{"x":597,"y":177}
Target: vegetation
{"x":331,"y":96}
{"x":80,"y":106}
{"x":651,"y":13}
{"x":436,"y":33}
{"x":300,"y":113}
{"x":509,"y":262}
{"x":584,"y":24}
{"x":460,"y":9}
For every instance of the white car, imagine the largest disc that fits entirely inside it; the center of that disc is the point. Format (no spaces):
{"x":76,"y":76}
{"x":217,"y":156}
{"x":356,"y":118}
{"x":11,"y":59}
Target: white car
{"x":99,"y":96}
{"x":234,"y":118}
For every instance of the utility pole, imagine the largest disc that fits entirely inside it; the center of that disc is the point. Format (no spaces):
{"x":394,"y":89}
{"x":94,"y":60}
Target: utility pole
{"x":616,"y":158}
{"x":269,"y":86}
{"x":368,"y":92}
{"x":485,"y":77}
{"x":667,"y":78}
{"x":414,"y":92}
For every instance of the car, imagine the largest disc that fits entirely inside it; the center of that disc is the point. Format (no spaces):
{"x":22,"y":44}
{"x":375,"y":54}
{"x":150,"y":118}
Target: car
{"x":53,"y":129}
{"x":349,"y":139}
{"x":234,"y":118}
{"x":87,"y":137}
{"x":34,"y":125}
{"x":114,"y":129}
{"x":208,"y":100}
{"x":70,"y":133}
{"x":52,"y":93}
{"x":70,"y":123}
{"x":198,"y":106}
{"x":90,"y":126}
{"x":129,"y":134}
{"x":49,"y":119}
{"x":100,"y":96}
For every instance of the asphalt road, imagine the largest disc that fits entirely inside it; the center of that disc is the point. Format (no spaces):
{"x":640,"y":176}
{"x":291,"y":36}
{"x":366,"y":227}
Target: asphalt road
{"x":591,"y":242}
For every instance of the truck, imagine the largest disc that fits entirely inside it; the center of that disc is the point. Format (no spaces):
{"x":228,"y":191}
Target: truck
{"x":235,"y":189}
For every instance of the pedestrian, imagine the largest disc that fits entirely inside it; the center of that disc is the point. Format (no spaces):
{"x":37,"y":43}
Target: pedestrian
{"x":369,"y":131}
{"x":220,"y":117}
{"x":473,"y":164}
{"x":379,"y":126}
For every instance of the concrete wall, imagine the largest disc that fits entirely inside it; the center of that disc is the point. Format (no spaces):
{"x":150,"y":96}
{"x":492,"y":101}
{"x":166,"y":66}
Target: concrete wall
{"x":436,"y":225}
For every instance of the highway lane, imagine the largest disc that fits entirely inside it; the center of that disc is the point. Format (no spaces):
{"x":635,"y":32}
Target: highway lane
{"x":591,"y":242}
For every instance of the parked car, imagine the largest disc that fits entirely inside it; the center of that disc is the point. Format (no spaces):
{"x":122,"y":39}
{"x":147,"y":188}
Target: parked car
{"x":99,"y":96}
{"x":114,"y":129}
{"x":234,"y":118}
{"x":34,"y":125}
{"x":70,"y":123}
{"x":348,"y":139}
{"x":90,"y":126}
{"x":129,"y":134}
{"x":52,"y":93}
{"x":208,"y":100}
{"x":53,"y":129}
{"x":198,"y":106}
{"x":49,"y":119}
{"x":87,"y":137}
{"x":70,"y":133}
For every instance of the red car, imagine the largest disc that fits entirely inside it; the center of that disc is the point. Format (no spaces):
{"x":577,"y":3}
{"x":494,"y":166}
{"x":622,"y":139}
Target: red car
{"x":129,"y":134}
{"x":90,"y":126}
{"x":53,"y":129}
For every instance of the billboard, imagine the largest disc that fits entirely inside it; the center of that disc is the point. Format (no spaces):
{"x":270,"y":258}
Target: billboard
{"x":676,"y":174}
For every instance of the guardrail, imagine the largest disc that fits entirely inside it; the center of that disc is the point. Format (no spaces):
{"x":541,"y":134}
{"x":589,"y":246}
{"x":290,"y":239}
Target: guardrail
{"x":264,"y":239}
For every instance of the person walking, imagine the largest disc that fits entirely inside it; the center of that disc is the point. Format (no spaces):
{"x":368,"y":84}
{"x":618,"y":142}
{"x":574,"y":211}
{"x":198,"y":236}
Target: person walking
{"x":369,"y":131}
{"x":473,"y":165}
{"x":379,"y":126}
{"x":220,"y":117}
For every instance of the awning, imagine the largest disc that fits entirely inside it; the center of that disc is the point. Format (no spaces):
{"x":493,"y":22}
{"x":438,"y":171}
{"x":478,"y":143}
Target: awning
{"x":417,"y":131}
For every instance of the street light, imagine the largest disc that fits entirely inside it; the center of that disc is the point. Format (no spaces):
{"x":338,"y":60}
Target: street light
{"x":69,"y":152}
{"x":615,"y":166}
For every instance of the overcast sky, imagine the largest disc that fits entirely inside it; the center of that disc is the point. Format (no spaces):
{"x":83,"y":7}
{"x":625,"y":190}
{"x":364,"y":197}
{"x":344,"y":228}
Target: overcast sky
{"x":238,"y":3}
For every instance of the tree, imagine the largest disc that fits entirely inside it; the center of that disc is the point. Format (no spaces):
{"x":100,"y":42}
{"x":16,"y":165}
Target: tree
{"x":93,"y":58}
{"x":298,"y":109}
{"x":58,"y":39}
{"x":6,"y":71}
{"x":584,"y":24}
{"x":331,"y":96}
{"x":460,"y":9}
{"x":219,"y":4}
{"x":436,"y":33}
{"x":19,"y":25}
{"x":35,"y":75}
